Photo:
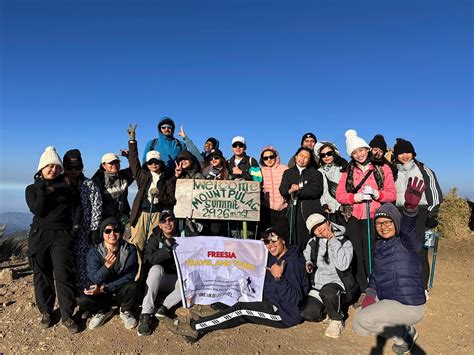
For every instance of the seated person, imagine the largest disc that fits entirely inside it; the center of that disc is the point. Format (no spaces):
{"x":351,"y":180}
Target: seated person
{"x":111,"y":266}
{"x":328,"y":258}
{"x":162,"y":276}
{"x":285,"y":286}
{"x":395,"y":297}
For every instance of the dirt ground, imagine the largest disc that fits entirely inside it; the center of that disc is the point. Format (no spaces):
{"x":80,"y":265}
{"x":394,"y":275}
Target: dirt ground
{"x":446,"y":328}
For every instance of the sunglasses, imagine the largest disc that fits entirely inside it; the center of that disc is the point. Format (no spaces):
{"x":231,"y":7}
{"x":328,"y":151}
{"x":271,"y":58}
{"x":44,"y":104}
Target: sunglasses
{"x":166,"y":126}
{"x":328,"y":154}
{"x":238,"y":145}
{"x":110,"y":230}
{"x":167,"y":220}
{"x":114,"y":162}
{"x":269,"y":157}
{"x":215,"y":158}
{"x":74,"y":168}
{"x":153,"y":162}
{"x":273,"y":239}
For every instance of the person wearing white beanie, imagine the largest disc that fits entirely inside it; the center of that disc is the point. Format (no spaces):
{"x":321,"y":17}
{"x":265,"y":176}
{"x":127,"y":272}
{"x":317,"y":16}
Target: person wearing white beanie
{"x":364,"y":183}
{"x":57,"y":215}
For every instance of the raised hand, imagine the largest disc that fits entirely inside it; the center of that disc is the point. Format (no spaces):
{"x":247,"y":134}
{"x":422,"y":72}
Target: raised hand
{"x":181,"y":133}
{"x":414,"y":192}
{"x":131,"y":132}
{"x":277,"y":269}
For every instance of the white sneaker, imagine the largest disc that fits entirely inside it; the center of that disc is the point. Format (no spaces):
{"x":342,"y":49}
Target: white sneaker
{"x":334,"y":329}
{"x":129,"y":321}
{"x":99,"y":319}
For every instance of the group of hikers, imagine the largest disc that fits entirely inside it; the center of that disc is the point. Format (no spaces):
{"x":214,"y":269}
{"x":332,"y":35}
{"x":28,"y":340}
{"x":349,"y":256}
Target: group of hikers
{"x":338,"y":233}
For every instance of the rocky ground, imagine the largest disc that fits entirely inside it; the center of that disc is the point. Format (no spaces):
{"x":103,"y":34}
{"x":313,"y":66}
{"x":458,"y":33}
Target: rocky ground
{"x":446,"y":328}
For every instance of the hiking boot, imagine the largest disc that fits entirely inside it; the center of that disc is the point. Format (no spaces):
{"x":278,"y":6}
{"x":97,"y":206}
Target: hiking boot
{"x":334,"y":328}
{"x":162,"y":312}
{"x":99,"y":319}
{"x":129,"y":321}
{"x":407,"y":343}
{"x":183,"y":328}
{"x":200,"y":311}
{"x":46,"y":320}
{"x":144,"y":324}
{"x":71,"y":325}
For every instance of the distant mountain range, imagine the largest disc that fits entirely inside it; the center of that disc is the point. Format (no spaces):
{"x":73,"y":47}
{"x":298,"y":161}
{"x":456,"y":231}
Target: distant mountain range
{"x":15,"y":222}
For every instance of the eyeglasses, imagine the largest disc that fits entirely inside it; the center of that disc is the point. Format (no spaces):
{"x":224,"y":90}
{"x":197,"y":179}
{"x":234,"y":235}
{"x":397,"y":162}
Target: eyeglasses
{"x":74,"y":168}
{"x":166,"y":126}
{"x":328,"y":154}
{"x":110,"y":230}
{"x":383,"y":224}
{"x":269,"y":157}
{"x":273,"y":239}
{"x":238,"y":145}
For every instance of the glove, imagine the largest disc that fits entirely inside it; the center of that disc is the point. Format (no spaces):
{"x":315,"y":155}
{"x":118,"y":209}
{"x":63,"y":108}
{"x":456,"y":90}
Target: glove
{"x":369,"y":190}
{"x":95,"y":237}
{"x":75,"y":230}
{"x":131,"y":132}
{"x":431,"y":222}
{"x":367,"y":300}
{"x":366,"y":197}
{"x":413,"y":193}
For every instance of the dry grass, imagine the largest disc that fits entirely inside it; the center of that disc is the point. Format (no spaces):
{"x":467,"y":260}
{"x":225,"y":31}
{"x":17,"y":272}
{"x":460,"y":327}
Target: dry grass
{"x":454,"y":214}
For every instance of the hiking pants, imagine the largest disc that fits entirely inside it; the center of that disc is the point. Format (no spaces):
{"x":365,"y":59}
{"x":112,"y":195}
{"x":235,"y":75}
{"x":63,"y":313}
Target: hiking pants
{"x":240,"y":313}
{"x":160,"y":282}
{"x":51,"y":257}
{"x":386,"y":318}
{"x":357,"y":233}
{"x":125,"y":297}
{"x":330,"y":300}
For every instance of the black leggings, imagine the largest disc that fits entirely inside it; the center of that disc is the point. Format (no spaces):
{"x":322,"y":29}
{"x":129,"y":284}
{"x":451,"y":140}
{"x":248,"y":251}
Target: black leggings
{"x":240,"y":313}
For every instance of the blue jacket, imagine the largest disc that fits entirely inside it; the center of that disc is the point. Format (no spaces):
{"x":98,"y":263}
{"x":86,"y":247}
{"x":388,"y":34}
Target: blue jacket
{"x":115,"y":277}
{"x":397,"y":268}
{"x":288,"y":292}
{"x":168,"y":147}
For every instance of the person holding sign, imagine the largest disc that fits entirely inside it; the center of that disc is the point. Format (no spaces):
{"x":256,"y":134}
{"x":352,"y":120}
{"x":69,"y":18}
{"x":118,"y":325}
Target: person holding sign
{"x":286,"y":284}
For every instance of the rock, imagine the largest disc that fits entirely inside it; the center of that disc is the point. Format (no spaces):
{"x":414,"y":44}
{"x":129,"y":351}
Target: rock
{"x":6,"y":276}
{"x":8,"y":303}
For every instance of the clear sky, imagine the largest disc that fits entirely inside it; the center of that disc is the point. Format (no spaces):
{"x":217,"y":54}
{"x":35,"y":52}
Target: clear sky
{"x":74,"y":74}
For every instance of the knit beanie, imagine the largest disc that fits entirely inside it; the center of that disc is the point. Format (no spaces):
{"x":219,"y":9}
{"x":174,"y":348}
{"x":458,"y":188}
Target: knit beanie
{"x":378,"y":142}
{"x":215,"y":142}
{"x":353,"y":142}
{"x":388,"y":210}
{"x":403,"y":146}
{"x":49,"y":156}
{"x":73,"y":158}
{"x":308,"y":135}
{"x":184,"y":155}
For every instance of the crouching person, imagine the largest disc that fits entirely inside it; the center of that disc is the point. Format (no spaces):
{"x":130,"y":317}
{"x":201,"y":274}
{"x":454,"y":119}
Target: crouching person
{"x":286,"y":284}
{"x":111,"y":266}
{"x":162,"y":276}
{"x":328,"y":257}
{"x":395,"y":298}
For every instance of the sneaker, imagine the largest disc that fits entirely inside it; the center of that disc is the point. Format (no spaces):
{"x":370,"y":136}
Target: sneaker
{"x":407,"y":343}
{"x":334,"y":328}
{"x":71,"y":325}
{"x":358,"y":303}
{"x":129,"y":321}
{"x":162,"y":312}
{"x":99,"y":319}
{"x":46,"y":320}
{"x":199,"y":311}
{"x":183,"y":328}
{"x":144,"y":324}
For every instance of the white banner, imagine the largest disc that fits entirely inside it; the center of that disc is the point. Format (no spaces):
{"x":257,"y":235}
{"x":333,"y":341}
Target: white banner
{"x":219,"y":269}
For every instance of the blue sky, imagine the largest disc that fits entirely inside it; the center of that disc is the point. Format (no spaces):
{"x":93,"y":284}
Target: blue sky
{"x":74,"y":74}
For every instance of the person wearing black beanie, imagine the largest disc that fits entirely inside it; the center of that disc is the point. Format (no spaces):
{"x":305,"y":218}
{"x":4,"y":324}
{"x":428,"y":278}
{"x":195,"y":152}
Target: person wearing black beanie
{"x":406,"y":167}
{"x":308,"y":140}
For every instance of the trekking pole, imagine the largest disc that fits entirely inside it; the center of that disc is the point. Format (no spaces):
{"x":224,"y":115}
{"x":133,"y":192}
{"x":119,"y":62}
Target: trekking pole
{"x":433,"y":262}
{"x":367,"y":208}
{"x":293,"y":203}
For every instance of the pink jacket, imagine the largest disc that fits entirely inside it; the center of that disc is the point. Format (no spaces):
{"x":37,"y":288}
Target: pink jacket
{"x":386,"y":194}
{"x":271,"y":182}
